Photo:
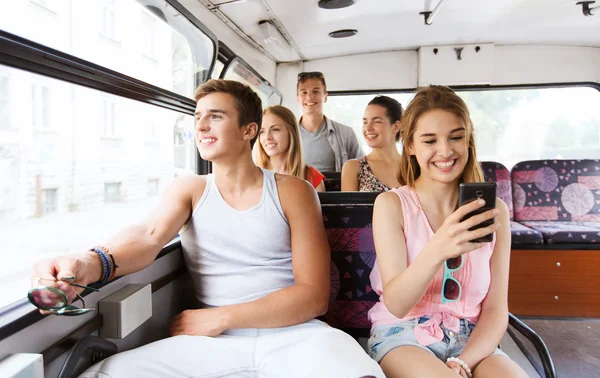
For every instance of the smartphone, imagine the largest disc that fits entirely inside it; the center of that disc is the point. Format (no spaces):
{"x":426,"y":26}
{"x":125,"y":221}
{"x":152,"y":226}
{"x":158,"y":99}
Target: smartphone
{"x":470,"y":192}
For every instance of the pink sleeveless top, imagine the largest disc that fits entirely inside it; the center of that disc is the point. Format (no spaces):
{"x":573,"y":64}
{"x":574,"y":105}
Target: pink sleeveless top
{"x":474,"y":277}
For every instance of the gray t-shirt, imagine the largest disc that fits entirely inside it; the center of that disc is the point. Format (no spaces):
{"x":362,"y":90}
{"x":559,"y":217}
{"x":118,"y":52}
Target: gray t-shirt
{"x":316,"y":148}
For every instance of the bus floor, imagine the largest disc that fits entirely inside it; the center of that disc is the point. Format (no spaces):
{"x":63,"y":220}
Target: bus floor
{"x":574,"y":344}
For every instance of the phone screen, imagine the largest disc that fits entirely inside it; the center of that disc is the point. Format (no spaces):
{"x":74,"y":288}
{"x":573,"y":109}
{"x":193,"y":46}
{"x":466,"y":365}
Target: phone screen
{"x":473,"y":191}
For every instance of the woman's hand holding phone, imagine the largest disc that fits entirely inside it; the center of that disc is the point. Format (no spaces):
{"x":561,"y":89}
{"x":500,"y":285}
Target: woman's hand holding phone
{"x":452,"y":239}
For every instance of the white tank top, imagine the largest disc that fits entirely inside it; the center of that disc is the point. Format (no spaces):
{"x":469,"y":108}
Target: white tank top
{"x":237,"y":256}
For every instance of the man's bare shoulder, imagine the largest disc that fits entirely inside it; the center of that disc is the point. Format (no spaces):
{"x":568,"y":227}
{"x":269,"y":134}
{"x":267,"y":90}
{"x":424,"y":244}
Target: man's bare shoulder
{"x":295,"y":194}
{"x":190,"y":181}
{"x":188,"y":187}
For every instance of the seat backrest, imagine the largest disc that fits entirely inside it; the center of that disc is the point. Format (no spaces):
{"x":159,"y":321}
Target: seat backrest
{"x":333,"y":181}
{"x":556,"y":190}
{"x":497,"y":172}
{"x":347,"y":218}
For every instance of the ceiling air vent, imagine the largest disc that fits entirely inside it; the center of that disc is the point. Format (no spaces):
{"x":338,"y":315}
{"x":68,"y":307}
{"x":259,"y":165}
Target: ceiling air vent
{"x":343,"y":33}
{"x":335,"y":4}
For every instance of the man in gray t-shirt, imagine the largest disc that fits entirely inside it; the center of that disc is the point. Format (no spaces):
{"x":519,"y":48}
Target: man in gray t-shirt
{"x":326,"y":144}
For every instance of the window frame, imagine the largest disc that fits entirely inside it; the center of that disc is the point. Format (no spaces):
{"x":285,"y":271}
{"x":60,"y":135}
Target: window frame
{"x":472,"y":88}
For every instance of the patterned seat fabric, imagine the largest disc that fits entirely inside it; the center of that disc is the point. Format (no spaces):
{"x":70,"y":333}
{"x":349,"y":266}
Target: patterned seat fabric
{"x":521,"y":234}
{"x":497,"y":172}
{"x":559,"y":198}
{"x":350,"y":238}
{"x":567,"y":232}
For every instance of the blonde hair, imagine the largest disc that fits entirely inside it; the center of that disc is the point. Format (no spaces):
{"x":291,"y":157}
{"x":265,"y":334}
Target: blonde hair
{"x":294,"y":161}
{"x":431,"y":98}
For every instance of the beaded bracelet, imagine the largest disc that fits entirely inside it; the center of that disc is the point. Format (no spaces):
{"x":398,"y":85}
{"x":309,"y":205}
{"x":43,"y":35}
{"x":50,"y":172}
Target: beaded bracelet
{"x":109,"y":267}
{"x":112,"y":262}
{"x":462,"y":364}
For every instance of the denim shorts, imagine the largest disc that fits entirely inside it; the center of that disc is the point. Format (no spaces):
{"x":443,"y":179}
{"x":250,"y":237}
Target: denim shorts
{"x":384,"y":338}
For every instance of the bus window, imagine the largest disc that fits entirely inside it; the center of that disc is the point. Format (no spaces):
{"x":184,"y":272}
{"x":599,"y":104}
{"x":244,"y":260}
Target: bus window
{"x":143,"y":42}
{"x":216,"y":72}
{"x":275,"y":99}
{"x":239,"y":72}
{"x":511,"y":125}
{"x":349,"y":110}
{"x":77,"y":165}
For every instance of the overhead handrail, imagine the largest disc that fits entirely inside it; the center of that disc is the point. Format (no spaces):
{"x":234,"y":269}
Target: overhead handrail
{"x":431,"y":15}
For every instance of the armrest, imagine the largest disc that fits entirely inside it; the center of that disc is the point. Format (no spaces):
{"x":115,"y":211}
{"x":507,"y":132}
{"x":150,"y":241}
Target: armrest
{"x":538,"y":344}
{"x":95,"y":343}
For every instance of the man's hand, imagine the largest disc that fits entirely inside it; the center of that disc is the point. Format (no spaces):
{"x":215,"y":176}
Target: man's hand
{"x":205,"y":322}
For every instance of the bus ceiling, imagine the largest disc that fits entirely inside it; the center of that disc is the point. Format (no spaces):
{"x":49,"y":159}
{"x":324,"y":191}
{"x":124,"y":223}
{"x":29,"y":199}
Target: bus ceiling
{"x":290,"y":31}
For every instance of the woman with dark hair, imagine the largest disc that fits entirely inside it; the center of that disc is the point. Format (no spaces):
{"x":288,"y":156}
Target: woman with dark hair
{"x":377,"y":171}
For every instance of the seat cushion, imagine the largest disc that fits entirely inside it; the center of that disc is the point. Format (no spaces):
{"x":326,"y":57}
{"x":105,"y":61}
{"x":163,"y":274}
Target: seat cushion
{"x":524,"y":235}
{"x":567,"y":232}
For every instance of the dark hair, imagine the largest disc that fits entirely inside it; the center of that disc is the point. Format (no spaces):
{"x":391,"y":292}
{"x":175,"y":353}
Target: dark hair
{"x":303,"y":76}
{"x":247,"y":102}
{"x":393,"y":109}
{"x":431,"y":98}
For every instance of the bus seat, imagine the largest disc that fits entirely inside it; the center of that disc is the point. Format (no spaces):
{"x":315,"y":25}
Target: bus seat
{"x":347,"y":217}
{"x":333,"y":181}
{"x":496,"y":172}
{"x":559,"y":198}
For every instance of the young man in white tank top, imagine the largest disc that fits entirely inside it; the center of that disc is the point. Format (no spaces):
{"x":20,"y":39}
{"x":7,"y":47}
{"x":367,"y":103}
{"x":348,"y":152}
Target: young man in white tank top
{"x":261,"y":286}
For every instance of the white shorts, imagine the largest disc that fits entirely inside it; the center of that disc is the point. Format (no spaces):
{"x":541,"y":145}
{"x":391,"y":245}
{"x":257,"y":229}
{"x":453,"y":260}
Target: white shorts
{"x":311,"y":349}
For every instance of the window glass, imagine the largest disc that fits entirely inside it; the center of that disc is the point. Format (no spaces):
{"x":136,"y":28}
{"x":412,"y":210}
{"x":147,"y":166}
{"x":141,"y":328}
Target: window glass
{"x":511,"y":125}
{"x":48,"y":5}
{"x":40,"y":106}
{"x":144,"y":42}
{"x":4,"y":102}
{"x":108,"y":119}
{"x":149,"y":25}
{"x":274,"y":99}
{"x":216,"y":73}
{"x":238,"y":72}
{"x":349,"y":110}
{"x":529,"y":124}
{"x":100,"y":165}
{"x":49,"y":201}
